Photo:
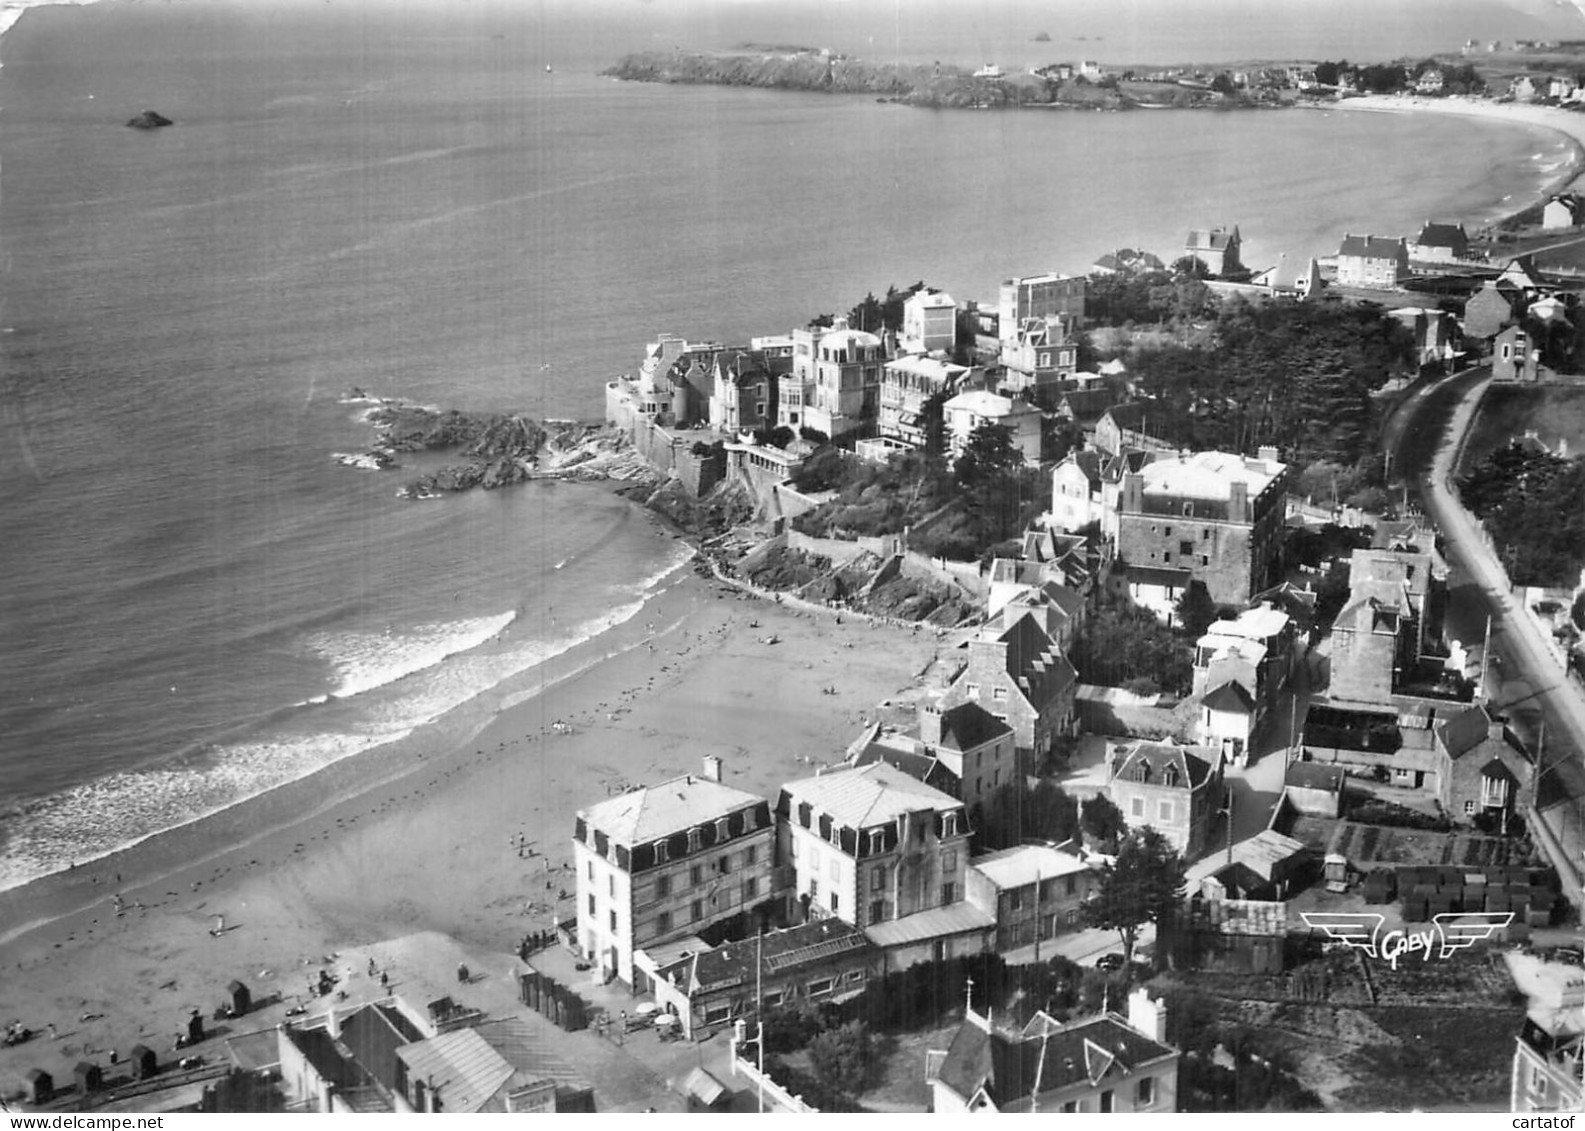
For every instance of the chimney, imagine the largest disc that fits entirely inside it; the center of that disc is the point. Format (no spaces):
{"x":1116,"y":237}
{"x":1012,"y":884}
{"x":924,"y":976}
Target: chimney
{"x":333,"y":1024}
{"x":930,"y":724}
{"x":712,"y":768}
{"x":1268,"y":453}
{"x":1147,"y":1016}
{"x":1238,"y":501}
{"x":1133,"y":493}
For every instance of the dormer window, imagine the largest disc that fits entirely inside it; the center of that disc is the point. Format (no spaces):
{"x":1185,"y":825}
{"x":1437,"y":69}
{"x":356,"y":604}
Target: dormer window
{"x":949,"y":824}
{"x":1170,"y":775}
{"x":877,"y":842}
{"x":1141,"y":771}
{"x":750,"y":818}
{"x":660,"y":851}
{"x":695,"y":839}
{"x":723,"y":830}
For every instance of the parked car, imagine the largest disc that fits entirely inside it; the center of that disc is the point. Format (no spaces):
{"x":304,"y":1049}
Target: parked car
{"x":1109,"y":963}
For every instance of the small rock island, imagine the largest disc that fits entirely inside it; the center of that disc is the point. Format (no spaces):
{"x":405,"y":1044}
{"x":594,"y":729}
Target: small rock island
{"x":149,"y":120}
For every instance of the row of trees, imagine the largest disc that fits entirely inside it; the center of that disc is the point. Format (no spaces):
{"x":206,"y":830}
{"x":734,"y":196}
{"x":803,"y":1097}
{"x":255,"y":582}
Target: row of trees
{"x":1015,"y":813}
{"x":1120,"y":645}
{"x":1391,"y":78}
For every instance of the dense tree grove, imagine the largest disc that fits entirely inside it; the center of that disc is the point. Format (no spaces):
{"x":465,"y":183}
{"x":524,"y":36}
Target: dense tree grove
{"x":1014,"y":813}
{"x":1533,"y":505}
{"x":1299,"y":376}
{"x":1121,"y":646}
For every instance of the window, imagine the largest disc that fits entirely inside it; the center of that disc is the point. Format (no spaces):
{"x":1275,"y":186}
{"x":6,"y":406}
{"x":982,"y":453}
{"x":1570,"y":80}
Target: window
{"x":1205,"y":559}
{"x":750,"y":821}
{"x":1469,"y":808}
{"x":878,"y":874}
{"x":1538,"y":1081}
{"x":1168,"y":532}
{"x":663,"y":922}
{"x":1015,"y":899}
{"x":1136,"y":806}
{"x":1106,"y":1100}
{"x":814,"y":888}
{"x":592,"y":910}
{"x":877,"y":846}
{"x":1169,"y":776}
{"x":820,"y":987}
{"x":1188,"y":510}
{"x":773,"y":998}
{"x":723,"y":830}
{"x":949,"y":861}
{"x":610,"y":884}
{"x":694,"y":839}
{"x":835,"y":899}
{"x":972,"y":690}
{"x":696,"y":875}
{"x":1147,"y":1092}
{"x":717,"y":1014}
{"x":724,"y":865}
{"x":1205,"y":535}
{"x":1073,"y":916}
{"x":1186,"y":548}
{"x":999,"y":694}
{"x":662,"y":886}
{"x":697,"y":910}
{"x":949,"y":893}
{"x":1166,"y":556}
{"x":1141,"y":771}
{"x":613,"y":920}
{"x":1069,"y":879}
{"x":591,"y":869}
{"x":1071,"y":1106}
{"x":949,"y":827}
{"x":835,"y":869}
{"x":877,"y":911}
{"x":852,"y":976}
{"x":660,"y":851}
{"x":751,"y":887}
{"x":1164,"y":810}
{"x":793,"y":847}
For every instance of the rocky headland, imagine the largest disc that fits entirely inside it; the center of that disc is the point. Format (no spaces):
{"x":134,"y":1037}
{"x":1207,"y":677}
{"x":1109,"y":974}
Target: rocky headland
{"x":496,"y":449}
{"x":932,"y":85}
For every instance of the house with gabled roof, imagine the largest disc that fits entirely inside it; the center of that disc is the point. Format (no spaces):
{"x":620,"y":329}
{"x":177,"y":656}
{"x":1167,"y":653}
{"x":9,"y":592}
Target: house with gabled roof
{"x":1076,"y":497}
{"x":1372,"y":262}
{"x":1105,"y":1063}
{"x":964,"y":751}
{"x":1393,"y":608}
{"x":1145,"y":425}
{"x":1565,"y":210}
{"x":1019,"y":675}
{"x":1173,"y":789}
{"x":683,"y":857}
{"x":1041,"y":354}
{"x":823,"y":960}
{"x":1439,"y":243}
{"x":744,"y":396}
{"x":1488,"y":773}
{"x":1218,"y":248}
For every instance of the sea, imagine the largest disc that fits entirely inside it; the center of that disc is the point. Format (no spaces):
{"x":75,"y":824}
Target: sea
{"x":447,"y":203}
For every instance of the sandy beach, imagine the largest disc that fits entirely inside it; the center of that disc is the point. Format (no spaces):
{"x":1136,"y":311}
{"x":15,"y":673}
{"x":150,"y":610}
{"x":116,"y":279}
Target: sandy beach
{"x":425,"y":835}
{"x":1565,"y":122}
{"x":464,"y":827}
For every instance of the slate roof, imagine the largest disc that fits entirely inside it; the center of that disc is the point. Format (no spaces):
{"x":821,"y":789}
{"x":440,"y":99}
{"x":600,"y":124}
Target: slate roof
{"x":915,"y":760}
{"x":1231,"y":696}
{"x":1193,"y":763}
{"x":864,"y":796}
{"x":1442,"y":235}
{"x":779,"y":951}
{"x":1372,"y":247}
{"x":938,"y":922}
{"x":1089,"y":463}
{"x":1059,"y":1056}
{"x":1209,"y":475}
{"x":461,"y":1066}
{"x":651,"y":812}
{"x":968,"y":725}
{"x":1315,"y":775}
{"x":531,"y":1057}
{"x":1040,"y":670}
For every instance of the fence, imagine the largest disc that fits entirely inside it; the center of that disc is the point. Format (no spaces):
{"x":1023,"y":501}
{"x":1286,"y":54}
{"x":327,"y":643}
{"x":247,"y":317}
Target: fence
{"x":773,"y":1092}
{"x":544,"y":995}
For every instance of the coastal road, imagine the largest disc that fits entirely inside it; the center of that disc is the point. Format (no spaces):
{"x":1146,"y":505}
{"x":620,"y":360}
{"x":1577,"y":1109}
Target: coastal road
{"x":1531,"y":687}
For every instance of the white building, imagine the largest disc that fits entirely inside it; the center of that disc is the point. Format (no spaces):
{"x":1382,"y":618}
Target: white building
{"x":968,"y":411}
{"x":930,"y":323}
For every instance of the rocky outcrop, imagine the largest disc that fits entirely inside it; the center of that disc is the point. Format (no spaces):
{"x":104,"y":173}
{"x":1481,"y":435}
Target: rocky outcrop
{"x":149,"y":120}
{"x":918,"y":85}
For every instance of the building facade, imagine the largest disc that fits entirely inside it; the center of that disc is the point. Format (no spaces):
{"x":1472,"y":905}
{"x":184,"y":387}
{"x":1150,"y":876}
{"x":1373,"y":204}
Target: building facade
{"x":835,"y":383}
{"x":1033,"y":891}
{"x":1038,"y":297}
{"x":1372,"y":262}
{"x":1020,"y":676}
{"x":968,"y":411}
{"x":664,"y":861}
{"x":907,"y":384}
{"x":1217,"y":515}
{"x":1176,"y":790}
{"x":930,"y":323}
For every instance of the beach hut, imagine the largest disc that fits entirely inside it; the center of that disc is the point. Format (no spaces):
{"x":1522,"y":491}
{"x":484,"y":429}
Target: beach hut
{"x":41,"y":1087}
{"x":241,"y":999}
{"x":195,"y":1028}
{"x":90,"y":1077}
{"x":144,"y":1063}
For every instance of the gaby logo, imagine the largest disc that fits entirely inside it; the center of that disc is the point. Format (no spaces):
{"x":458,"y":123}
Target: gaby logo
{"x":1451,"y":931}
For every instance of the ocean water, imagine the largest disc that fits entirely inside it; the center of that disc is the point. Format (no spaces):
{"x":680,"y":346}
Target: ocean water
{"x":199,"y":604}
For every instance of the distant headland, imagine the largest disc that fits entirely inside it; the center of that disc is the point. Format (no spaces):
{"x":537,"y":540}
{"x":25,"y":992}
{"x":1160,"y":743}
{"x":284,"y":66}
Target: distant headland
{"x":149,"y":120}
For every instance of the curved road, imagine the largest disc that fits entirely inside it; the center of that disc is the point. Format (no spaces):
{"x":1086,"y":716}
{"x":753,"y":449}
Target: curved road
{"x":1531,"y":688}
